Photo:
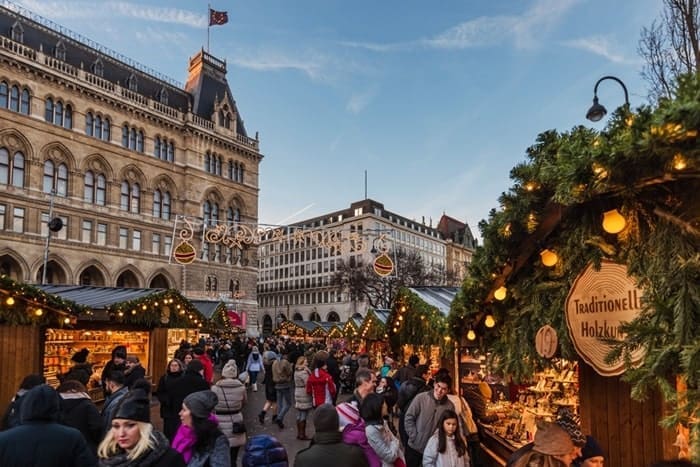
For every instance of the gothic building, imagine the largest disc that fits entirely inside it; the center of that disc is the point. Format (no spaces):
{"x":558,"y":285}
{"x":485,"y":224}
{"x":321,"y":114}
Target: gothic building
{"x":103,"y":159}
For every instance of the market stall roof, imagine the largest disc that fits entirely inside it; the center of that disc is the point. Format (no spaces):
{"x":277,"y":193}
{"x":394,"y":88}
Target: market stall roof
{"x":97,"y":298}
{"x":352,"y":326}
{"x":438,"y":297}
{"x":207,"y":307}
{"x":375,"y":322}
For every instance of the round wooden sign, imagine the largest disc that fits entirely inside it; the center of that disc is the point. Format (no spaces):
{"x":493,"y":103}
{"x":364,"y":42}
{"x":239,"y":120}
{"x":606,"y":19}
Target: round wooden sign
{"x":546,"y":341}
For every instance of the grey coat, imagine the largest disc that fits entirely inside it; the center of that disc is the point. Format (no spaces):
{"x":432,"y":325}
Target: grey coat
{"x":218,"y":456}
{"x":422,"y":418}
{"x":384,"y":443}
{"x":232,"y":397}
{"x":302,"y":400}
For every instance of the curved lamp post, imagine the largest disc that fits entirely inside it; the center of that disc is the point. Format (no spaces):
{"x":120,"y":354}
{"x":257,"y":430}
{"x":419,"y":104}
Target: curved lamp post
{"x":597,"y":111}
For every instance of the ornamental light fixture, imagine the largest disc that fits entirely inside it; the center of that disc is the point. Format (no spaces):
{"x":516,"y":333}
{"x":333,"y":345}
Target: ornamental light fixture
{"x":471,"y":335}
{"x":548,"y":257}
{"x":500,"y":293}
{"x":489,"y":321}
{"x":597,"y":111}
{"x":10,"y":301}
{"x":613,"y":221}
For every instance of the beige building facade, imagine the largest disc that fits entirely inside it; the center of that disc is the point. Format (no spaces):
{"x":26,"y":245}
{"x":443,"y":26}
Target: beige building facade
{"x":126,"y":159}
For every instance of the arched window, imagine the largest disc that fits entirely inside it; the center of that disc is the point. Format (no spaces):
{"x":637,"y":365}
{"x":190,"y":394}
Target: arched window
{"x":297,"y":317}
{"x":98,"y":68}
{"x":4,"y":94}
{"x":157,"y":203}
{"x":89,"y":122}
{"x":98,"y":126}
{"x":206,"y":212}
{"x":132,"y":83}
{"x":60,"y":51}
{"x":333,"y":317}
{"x":156,"y":147}
{"x":207,"y":162}
{"x":49,"y":110}
{"x":11,"y":169}
{"x":55,"y":178}
{"x":163,"y":96}
{"x":125,"y":136}
{"x":25,"y":103}
{"x":95,"y":188}
{"x":17,"y":32}
{"x":314,"y":316}
{"x":106,"y":129}
{"x":135,"y":198}
{"x":14,"y":98}
{"x":211,"y":284}
{"x":231,"y":169}
{"x":165,"y":214}
{"x":58,"y":113}
{"x":171,"y":152}
{"x":101,"y":195}
{"x":161,"y":204}
{"x":139,"y":141}
{"x":240,"y":173}
{"x":124,"y":197}
{"x":130,"y":198}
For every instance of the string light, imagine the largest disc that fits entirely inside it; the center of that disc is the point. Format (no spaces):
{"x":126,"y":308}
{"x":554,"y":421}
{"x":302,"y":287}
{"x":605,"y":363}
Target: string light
{"x":471,"y":335}
{"x":548,"y":257}
{"x":38,"y":312}
{"x":10,"y":301}
{"x":500,"y":293}
{"x":613,"y":221}
{"x":489,"y":321}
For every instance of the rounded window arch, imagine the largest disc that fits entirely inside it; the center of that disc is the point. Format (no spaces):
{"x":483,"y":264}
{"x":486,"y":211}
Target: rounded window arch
{"x":159,"y":282}
{"x":92,"y":276}
{"x":297,"y":317}
{"x":267,"y":325}
{"x":11,"y":268}
{"x":314,"y":316}
{"x":127,"y":279}
{"x":55,"y":274}
{"x":333,"y":317}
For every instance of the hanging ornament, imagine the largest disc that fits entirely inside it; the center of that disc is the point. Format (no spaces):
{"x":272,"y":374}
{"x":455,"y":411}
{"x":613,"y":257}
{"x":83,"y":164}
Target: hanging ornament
{"x":489,"y":321}
{"x":184,"y":253}
{"x":500,"y":293}
{"x":548,"y":257}
{"x":546,"y":341}
{"x":383,"y":265}
{"x":471,"y":335}
{"x":613,"y":221}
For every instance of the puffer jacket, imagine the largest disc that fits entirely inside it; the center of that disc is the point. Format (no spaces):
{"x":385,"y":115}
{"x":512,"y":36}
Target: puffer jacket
{"x":232,"y":397}
{"x":318,"y":383}
{"x":302,"y":399}
{"x":264,"y":451}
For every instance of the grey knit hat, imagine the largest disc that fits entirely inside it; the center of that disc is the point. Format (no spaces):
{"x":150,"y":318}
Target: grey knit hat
{"x":201,"y":403}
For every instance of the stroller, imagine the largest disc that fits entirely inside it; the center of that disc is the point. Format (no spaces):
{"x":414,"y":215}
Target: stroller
{"x":346,"y":380}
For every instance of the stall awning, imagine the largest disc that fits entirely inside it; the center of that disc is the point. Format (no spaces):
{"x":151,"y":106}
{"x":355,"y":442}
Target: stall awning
{"x":207,"y":307}
{"x":97,"y":298}
{"x":437,"y":297}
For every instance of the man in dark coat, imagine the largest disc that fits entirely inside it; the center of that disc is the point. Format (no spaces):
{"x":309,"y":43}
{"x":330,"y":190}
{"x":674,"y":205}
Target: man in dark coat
{"x":115,"y":364}
{"x":134,"y":370}
{"x":40,"y":440}
{"x":327,"y":447}
{"x":407,"y":391}
{"x":409,"y":371}
{"x":178,"y":388}
{"x":117,"y":390}
{"x":334,"y":371}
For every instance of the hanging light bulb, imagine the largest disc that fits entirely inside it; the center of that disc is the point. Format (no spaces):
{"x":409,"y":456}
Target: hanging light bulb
{"x":613,"y":221}
{"x":489,"y":321}
{"x":10,"y":301}
{"x":471,"y":335}
{"x":38,"y":312}
{"x":548,"y":257}
{"x":66,"y":321}
{"x":500,"y":293}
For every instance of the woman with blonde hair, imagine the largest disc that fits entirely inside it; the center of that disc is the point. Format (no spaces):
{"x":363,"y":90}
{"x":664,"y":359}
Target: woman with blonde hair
{"x":302,"y":400}
{"x":131,"y":440}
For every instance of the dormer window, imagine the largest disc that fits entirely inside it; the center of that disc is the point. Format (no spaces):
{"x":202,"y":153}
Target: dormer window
{"x":60,"y":51}
{"x":17,"y":32}
{"x":163,"y":96}
{"x":98,"y":68}
{"x":132,"y":83}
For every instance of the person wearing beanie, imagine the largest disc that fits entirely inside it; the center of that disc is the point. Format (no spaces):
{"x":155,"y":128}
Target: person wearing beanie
{"x":552,"y":446}
{"x":201,"y":355}
{"x":39,"y":439}
{"x":232,"y":397}
{"x":117,"y":390}
{"x":199,"y":439}
{"x":179,"y":388}
{"x":11,"y":416}
{"x":81,"y":369}
{"x":117,"y":363}
{"x":592,"y":454}
{"x":132,"y":439}
{"x":134,"y":370}
{"x":327,"y":447}
{"x":79,"y":411}
{"x":174,"y":371}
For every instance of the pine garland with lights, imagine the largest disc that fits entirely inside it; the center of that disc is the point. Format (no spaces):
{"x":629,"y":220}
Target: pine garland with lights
{"x":645,"y":164}
{"x":416,"y":323}
{"x":25,"y":304}
{"x":149,"y":311}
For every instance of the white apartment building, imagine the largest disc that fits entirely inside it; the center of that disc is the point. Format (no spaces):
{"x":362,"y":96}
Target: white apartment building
{"x":297,"y":264}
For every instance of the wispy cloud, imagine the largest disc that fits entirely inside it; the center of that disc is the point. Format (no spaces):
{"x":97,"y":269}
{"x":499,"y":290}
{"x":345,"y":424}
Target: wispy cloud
{"x":162,"y":36}
{"x":523,"y":31}
{"x":314,"y":66}
{"x":111,"y":9}
{"x":359,"y":101}
{"x":602,"y":46}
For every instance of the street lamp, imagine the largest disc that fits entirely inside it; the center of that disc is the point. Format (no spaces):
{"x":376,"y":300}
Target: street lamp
{"x":597,"y":111}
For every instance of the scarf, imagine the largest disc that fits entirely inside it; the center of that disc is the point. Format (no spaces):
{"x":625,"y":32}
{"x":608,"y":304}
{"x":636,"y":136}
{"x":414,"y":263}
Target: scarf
{"x":185,"y":439}
{"x":151,"y":457}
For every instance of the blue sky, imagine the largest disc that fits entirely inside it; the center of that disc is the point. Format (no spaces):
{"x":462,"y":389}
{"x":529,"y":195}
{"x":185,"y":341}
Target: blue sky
{"x":436,"y":100}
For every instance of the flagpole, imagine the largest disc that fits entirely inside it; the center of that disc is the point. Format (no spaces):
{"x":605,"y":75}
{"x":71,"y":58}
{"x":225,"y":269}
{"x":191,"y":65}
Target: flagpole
{"x":208,"y":24}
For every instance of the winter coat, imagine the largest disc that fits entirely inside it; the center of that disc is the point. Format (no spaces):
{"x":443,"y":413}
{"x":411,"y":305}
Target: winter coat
{"x":208,"y":367}
{"x":405,"y":373}
{"x":40,"y":440}
{"x":264,"y":451}
{"x":384,"y":443}
{"x":162,"y":455}
{"x":408,"y":390}
{"x":79,"y":372}
{"x":107,"y":370}
{"x":422,"y":418}
{"x":321,"y":387}
{"x":327,"y":448}
{"x":252,"y":364}
{"x":162,"y":391}
{"x":11,"y":417}
{"x":179,"y":388}
{"x":282,"y":372}
{"x":110,"y":406}
{"x":232,"y":397}
{"x":449,"y":458}
{"x":217,"y":454}
{"x":134,"y":373}
{"x":302,"y":399}
{"x":79,"y":412}
{"x":354,"y":434}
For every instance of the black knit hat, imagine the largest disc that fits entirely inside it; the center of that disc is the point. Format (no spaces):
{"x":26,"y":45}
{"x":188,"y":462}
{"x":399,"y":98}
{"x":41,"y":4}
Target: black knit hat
{"x":570,"y":422}
{"x":326,"y":418}
{"x":81,"y":356}
{"x":119,"y":352}
{"x":201,"y":403}
{"x":135,"y":405}
{"x":591,"y":449}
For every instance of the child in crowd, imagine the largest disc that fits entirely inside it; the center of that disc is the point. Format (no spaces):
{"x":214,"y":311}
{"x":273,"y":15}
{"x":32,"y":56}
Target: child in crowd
{"x":446,"y":448}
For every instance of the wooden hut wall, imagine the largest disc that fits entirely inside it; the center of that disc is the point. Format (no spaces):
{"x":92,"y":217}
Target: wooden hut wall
{"x":158,"y":353}
{"x":21,"y":356}
{"x":628,"y":430}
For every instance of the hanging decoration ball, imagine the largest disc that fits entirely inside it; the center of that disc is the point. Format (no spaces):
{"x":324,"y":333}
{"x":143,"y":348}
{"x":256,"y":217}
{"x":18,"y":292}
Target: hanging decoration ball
{"x":471,"y":335}
{"x":489,"y":321}
{"x":10,"y":301}
{"x":613,"y":221}
{"x":548,"y":257}
{"x":500,"y":293}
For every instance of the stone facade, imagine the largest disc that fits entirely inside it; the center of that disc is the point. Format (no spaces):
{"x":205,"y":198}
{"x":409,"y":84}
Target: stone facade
{"x":161,"y":153}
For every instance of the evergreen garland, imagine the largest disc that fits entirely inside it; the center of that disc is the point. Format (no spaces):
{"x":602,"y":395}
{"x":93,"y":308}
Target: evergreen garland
{"x":646,"y":164}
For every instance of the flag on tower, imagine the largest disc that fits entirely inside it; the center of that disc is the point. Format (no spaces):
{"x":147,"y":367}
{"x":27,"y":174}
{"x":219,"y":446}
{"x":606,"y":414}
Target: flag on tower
{"x":217,"y":18}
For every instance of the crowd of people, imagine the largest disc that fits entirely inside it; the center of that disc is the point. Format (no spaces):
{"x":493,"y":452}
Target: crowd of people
{"x":364,"y":413}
